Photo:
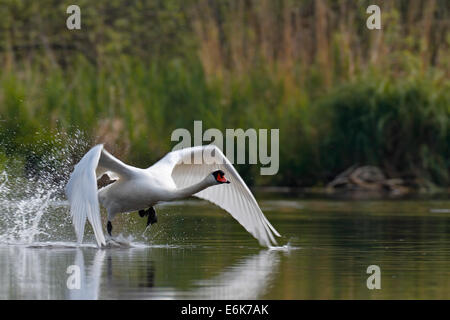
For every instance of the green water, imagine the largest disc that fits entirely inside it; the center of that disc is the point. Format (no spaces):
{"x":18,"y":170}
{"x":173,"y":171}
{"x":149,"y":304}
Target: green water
{"x":196,"y":251}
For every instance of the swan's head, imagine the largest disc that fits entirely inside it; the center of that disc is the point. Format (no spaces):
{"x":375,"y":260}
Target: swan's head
{"x":219,"y":177}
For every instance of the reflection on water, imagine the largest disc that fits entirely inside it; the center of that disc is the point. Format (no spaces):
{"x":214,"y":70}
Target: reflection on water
{"x":89,"y":276}
{"x":40,"y":273}
{"x":248,"y":279}
{"x":196,"y":251}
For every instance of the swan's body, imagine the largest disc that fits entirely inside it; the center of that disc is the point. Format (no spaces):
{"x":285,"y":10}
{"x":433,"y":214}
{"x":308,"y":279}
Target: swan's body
{"x":171,"y":178}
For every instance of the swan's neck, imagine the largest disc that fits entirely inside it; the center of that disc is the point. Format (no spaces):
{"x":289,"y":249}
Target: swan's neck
{"x":193,"y":189}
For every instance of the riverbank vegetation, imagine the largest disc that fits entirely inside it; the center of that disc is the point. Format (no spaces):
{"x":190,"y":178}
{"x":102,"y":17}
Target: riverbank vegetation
{"x":339,"y":93}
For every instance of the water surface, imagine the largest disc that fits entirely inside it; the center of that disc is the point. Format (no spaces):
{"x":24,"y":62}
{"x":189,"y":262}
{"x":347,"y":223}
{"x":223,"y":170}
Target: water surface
{"x":197,"y":251}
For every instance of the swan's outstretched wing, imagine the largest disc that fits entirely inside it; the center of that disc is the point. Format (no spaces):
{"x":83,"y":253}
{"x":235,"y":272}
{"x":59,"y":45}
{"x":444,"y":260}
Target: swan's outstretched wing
{"x":81,"y":190}
{"x":235,"y":198}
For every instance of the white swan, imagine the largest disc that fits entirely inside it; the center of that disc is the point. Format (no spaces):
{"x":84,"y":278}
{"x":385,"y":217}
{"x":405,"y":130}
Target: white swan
{"x":171,"y":178}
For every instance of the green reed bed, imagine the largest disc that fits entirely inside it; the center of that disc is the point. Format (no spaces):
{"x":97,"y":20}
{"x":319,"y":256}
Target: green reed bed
{"x":397,"y":123}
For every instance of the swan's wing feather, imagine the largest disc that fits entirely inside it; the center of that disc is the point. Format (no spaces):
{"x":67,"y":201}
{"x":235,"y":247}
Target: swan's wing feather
{"x":81,"y":190}
{"x":112,"y":166}
{"x":235,"y":198}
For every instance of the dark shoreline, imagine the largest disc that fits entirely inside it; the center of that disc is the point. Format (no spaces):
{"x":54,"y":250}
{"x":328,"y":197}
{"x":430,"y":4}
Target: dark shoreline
{"x":326,"y":193}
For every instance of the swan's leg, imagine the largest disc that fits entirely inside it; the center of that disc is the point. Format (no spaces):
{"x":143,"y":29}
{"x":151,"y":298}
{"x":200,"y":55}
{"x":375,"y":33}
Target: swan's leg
{"x":151,"y":214}
{"x":152,"y":218}
{"x":109,"y":227}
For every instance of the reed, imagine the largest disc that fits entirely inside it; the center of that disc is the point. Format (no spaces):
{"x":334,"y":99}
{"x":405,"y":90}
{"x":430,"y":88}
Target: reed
{"x":339,"y":93}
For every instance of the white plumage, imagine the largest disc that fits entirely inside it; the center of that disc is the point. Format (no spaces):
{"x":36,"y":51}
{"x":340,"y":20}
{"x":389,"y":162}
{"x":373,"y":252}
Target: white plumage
{"x":173,"y":177}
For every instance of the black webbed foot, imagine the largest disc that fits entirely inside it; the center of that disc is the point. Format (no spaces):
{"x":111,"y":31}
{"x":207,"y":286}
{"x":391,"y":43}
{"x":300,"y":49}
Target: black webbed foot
{"x":151,"y":214}
{"x":109,"y":228}
{"x":152,"y":218}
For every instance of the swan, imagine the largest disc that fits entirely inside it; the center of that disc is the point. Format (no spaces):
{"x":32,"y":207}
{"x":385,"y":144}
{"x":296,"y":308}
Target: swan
{"x":171,"y":178}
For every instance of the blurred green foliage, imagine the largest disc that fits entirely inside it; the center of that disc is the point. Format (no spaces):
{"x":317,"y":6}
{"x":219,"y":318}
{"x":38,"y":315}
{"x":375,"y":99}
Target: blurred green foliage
{"x":339,"y":93}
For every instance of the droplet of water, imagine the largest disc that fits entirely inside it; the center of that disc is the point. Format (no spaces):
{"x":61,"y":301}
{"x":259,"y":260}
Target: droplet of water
{"x":33,"y":207}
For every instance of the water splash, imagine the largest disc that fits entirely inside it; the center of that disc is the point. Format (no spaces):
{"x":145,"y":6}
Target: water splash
{"x":286,"y":248}
{"x":34,"y":211}
{"x":119,"y":241}
{"x":22,"y":205}
{"x":32,"y":207}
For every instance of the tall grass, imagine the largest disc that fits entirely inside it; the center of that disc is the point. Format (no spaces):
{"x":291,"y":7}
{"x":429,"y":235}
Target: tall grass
{"x":339,"y":93}
{"x":399,"y":125}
